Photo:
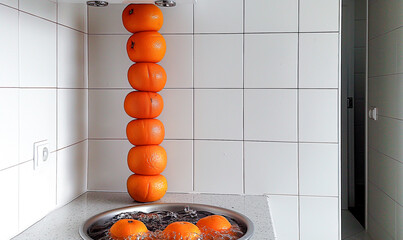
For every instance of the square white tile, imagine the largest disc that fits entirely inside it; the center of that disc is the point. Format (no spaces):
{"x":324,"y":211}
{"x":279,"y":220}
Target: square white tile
{"x":180,"y":156}
{"x":72,"y":116}
{"x":8,"y":47}
{"x":319,"y":218}
{"x":399,"y":182}
{"x":399,"y":222}
{"x":218,"y":167}
{"x":284,"y":211}
{"x":267,"y":165}
{"x":107,"y":165}
{"x":42,"y":8}
{"x":319,"y":15}
{"x":71,"y":58}
{"x":318,"y":60}
{"x":71,"y":172}
{"x":382,"y":208}
{"x":271,"y":114}
{"x":37,"y":64}
{"x":382,"y":59}
{"x":375,"y":231}
{"x":9,"y":202}
{"x":37,"y":194}
{"x":271,"y":16}
{"x":319,"y":169}
{"x":318,"y":115}
{"x":9,"y":128}
{"x":11,"y":3}
{"x":106,"y":115}
{"x":399,"y":50}
{"x":37,"y":120}
{"x":106,"y":20}
{"x":73,"y":15}
{"x":218,"y":61}
{"x":177,"y":115}
{"x":178,"y":19}
{"x":384,"y":16}
{"x":218,"y":114}
{"x":271,"y":60}
{"x":225,"y":16}
{"x":108,"y":61}
{"x":178,"y":61}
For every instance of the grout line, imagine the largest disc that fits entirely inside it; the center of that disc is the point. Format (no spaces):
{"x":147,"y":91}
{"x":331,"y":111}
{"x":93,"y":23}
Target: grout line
{"x":384,"y":75}
{"x":385,"y":33}
{"x":57,"y":97}
{"x":213,"y":33}
{"x":376,"y":150}
{"x":298,"y":140}
{"x":394,"y":118}
{"x":193,"y":95}
{"x":243,"y":102}
{"x":88,"y":96}
{"x":217,"y":89}
{"x":385,"y":193}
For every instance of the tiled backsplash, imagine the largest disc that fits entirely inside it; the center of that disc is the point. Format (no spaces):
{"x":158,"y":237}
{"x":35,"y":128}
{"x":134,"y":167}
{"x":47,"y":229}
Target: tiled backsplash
{"x":251,"y":105}
{"x":43,"y":95}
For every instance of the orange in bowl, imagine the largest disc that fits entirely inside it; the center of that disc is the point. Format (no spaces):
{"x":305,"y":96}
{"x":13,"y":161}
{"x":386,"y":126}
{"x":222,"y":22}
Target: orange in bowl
{"x":126,"y":228}
{"x":181,"y":230}
{"x":213,"y":225}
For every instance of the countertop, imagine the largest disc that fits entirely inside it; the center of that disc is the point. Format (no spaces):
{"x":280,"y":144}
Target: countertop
{"x":63,"y":223}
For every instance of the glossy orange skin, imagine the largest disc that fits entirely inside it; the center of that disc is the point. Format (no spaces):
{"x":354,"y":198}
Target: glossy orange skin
{"x":143,"y":104}
{"x":148,"y":77}
{"x":145,"y":132}
{"x":181,"y":230}
{"x":144,"y":188}
{"x":147,"y":160}
{"x":146,"y":47}
{"x":213,"y":224}
{"x":125,"y":228}
{"x":142,"y":17}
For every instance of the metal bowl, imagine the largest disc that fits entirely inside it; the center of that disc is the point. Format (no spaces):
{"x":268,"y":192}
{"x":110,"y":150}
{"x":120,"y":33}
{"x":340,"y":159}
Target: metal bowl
{"x":147,"y":208}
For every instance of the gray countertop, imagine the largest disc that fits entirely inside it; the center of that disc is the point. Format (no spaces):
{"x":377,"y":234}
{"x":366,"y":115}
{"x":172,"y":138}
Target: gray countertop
{"x":64,"y":222}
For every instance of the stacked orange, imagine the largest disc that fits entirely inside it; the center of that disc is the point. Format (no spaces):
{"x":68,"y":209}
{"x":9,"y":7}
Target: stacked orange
{"x":147,"y":160}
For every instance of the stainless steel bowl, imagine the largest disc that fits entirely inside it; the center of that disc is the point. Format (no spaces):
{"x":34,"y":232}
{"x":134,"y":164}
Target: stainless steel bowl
{"x":147,"y":208}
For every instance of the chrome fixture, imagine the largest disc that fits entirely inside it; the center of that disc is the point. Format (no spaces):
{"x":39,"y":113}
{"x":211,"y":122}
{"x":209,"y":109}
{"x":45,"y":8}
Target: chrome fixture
{"x":97,"y":3}
{"x":165,"y":3}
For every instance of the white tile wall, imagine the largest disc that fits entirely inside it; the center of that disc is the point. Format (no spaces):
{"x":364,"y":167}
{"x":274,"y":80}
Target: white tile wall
{"x":218,"y":114}
{"x":284,"y":210}
{"x":381,"y":170}
{"x":178,"y":61}
{"x":318,"y":117}
{"x":382,"y":58}
{"x":271,"y":60}
{"x":385,"y":16}
{"x":72,"y":116}
{"x":108,"y":158}
{"x":71,"y":58}
{"x":9,"y":202}
{"x":318,"y":49}
{"x":271,"y":16}
{"x":177,"y":114}
{"x":211,"y":16}
{"x":37,"y":64}
{"x":106,"y":115}
{"x":71,"y":172}
{"x":218,"y":167}
{"x":73,"y":15}
{"x":178,"y":19}
{"x":270,"y":114}
{"x":218,"y":61}
{"x":267,"y":165}
{"x":11,"y":3}
{"x":180,"y":153}
{"x":9,"y":100}
{"x":319,"y":15}
{"x":37,"y":120}
{"x":319,"y":218}
{"x":41,"y":8}
{"x":319,"y":169}
{"x":37,"y":191}
{"x":8,"y":47}
{"x":106,"y":20}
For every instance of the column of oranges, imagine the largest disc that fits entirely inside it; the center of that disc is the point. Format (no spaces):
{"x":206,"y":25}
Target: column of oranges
{"x":145,"y":47}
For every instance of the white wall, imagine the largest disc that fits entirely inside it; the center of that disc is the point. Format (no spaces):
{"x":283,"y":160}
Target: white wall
{"x":251,"y":105}
{"x":385,"y":203}
{"x":43,"y":95}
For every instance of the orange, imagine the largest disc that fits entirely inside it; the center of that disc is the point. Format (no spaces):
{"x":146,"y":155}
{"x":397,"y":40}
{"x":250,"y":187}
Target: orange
{"x":149,"y":77}
{"x":146,"y":188}
{"x":147,"y":160}
{"x":142,"y":17}
{"x":146,"y":47}
{"x":182,"y":230}
{"x":143,"y":104}
{"x":213,"y":224}
{"x":125,"y":228}
{"x":145,"y":132}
